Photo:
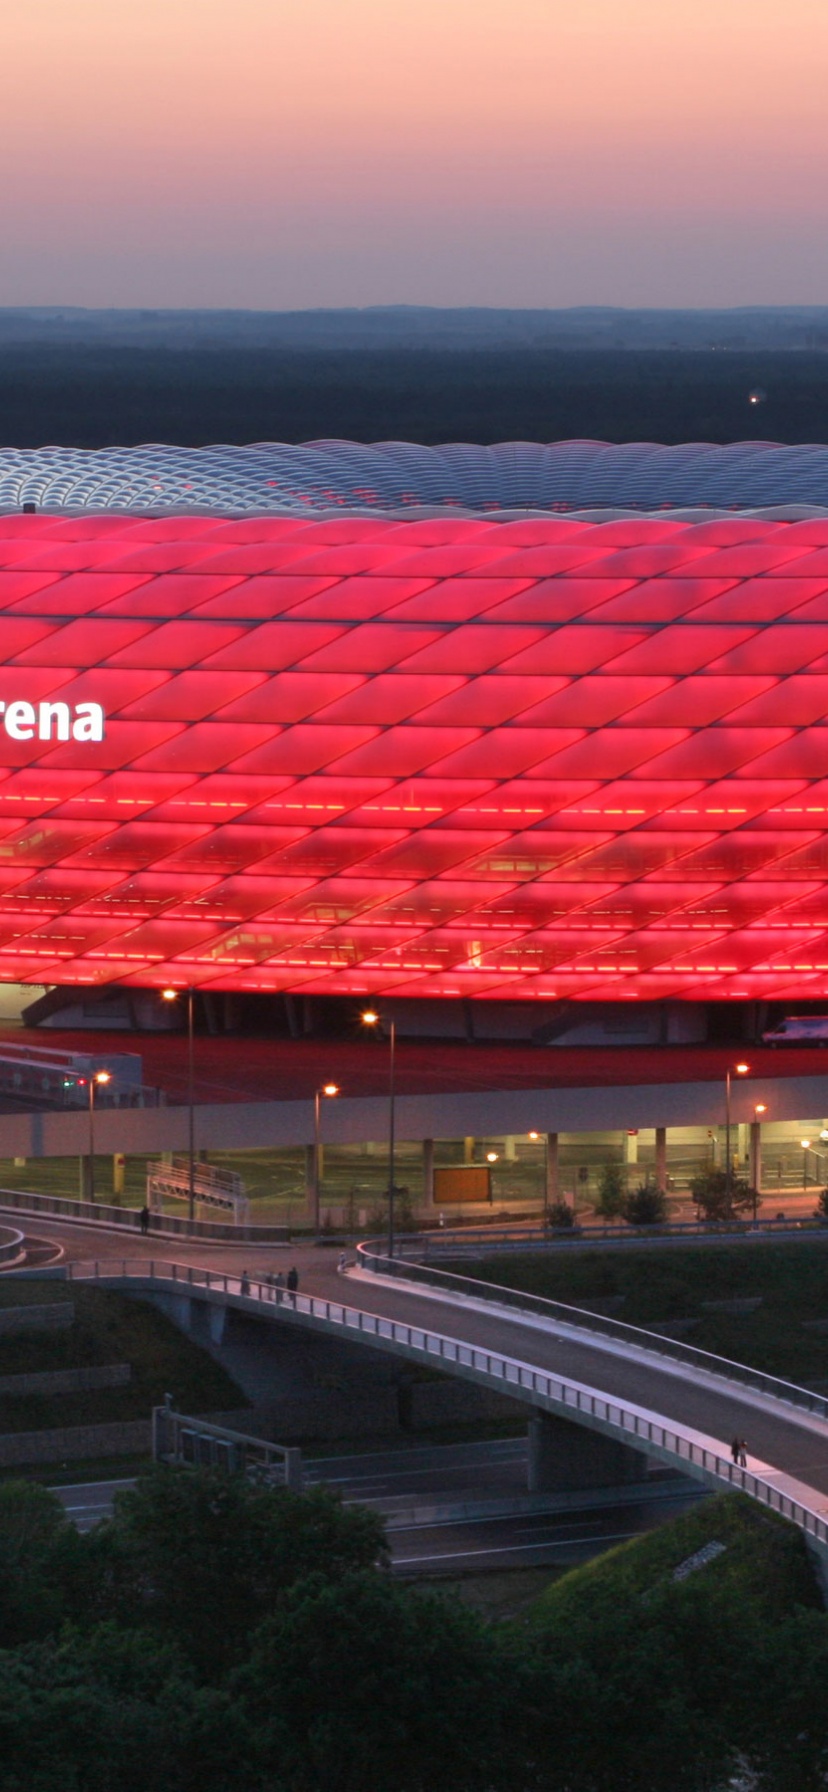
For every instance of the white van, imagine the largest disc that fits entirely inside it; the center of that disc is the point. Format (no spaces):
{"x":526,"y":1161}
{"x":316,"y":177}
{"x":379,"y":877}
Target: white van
{"x":799,"y":1029}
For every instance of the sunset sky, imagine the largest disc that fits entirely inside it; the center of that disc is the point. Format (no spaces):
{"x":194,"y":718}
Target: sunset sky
{"x":281,"y":153}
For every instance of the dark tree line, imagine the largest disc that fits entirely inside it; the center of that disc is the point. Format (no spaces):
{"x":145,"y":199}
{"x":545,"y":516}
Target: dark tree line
{"x":92,"y":395}
{"x":217,"y":1636}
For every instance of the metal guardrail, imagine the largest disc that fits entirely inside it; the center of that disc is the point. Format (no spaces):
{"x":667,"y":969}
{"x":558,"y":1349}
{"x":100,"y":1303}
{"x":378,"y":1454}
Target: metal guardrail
{"x":671,"y":1443}
{"x":584,"y":1320}
{"x":101,"y":1213}
{"x":11,"y":1244}
{"x":512,"y":1238}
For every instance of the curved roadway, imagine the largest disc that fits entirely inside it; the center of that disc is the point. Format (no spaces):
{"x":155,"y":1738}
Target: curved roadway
{"x":793,"y":1443}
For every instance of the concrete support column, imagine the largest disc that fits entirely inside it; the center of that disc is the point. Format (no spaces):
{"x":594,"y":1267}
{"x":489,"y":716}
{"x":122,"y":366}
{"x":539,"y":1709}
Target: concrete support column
{"x":178,"y":1308}
{"x":756,"y":1155}
{"x":631,"y":1148}
{"x":661,"y":1158}
{"x":217,"y":1322}
{"x":428,"y":1172}
{"x":468,"y":1151}
{"x":553,"y":1179}
{"x":564,"y":1456}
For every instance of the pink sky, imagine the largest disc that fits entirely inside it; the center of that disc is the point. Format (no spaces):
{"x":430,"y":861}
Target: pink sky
{"x":279,"y":153}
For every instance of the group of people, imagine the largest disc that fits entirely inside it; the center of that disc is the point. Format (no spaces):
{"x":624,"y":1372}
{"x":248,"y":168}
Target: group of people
{"x":282,"y":1286}
{"x":738,"y":1451}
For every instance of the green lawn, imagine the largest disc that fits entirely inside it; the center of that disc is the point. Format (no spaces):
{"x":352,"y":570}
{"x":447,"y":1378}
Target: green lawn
{"x":108,"y":1328}
{"x":764,"y":1560}
{"x":660,"y":1285}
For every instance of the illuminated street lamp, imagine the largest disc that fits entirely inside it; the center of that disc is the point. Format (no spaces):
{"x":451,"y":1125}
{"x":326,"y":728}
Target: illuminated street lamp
{"x":759,"y":1108}
{"x":172,"y":995}
{"x":372,"y":1018}
{"x":536,"y":1135}
{"x":326,"y":1089}
{"x":732,"y":1070}
{"x":97,"y":1080}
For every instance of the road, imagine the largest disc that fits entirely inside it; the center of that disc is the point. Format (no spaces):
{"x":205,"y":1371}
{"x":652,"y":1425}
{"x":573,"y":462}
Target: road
{"x":446,"y":1475}
{"x":786,"y":1440}
{"x":526,"y":1540}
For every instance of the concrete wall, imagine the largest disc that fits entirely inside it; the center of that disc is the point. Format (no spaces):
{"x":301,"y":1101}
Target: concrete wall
{"x":57,"y":1316}
{"x":75,"y":1443}
{"x":238,"y":1126}
{"x":67,"y":1381}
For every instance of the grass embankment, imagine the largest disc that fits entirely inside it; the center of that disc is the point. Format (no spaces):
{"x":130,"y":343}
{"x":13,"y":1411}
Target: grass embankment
{"x":108,"y":1328}
{"x":763,"y":1564}
{"x":653,"y":1287}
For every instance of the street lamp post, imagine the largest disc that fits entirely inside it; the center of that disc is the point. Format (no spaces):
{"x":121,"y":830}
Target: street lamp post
{"x":99,"y":1077}
{"x":172,"y":995}
{"x":533,"y":1136}
{"x":372,"y":1018}
{"x":806,"y":1146}
{"x":327,"y":1089}
{"x":737,"y":1070}
{"x":760,"y":1108}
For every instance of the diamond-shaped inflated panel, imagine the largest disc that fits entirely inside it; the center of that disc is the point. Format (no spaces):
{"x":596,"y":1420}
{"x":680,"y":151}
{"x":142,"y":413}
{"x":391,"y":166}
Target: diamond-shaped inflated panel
{"x":448,"y":757}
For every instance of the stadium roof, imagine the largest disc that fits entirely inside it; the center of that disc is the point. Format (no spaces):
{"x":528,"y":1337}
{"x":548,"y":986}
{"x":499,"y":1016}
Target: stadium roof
{"x":405,"y":479}
{"x":536,"y":760}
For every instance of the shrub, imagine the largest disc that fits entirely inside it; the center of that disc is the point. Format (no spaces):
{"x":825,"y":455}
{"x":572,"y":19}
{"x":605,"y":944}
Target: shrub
{"x":710,"y":1193}
{"x":645,"y":1205}
{"x":560,"y":1214}
{"x":612,"y":1188}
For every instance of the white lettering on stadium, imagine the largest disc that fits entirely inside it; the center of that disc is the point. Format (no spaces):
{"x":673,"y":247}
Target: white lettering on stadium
{"x":52,"y":721}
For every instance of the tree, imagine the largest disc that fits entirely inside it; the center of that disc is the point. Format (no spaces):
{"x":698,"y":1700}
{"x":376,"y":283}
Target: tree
{"x":612,"y":1188}
{"x":645,"y":1205}
{"x":715,"y":1201}
{"x":362,"y":1683}
{"x":36,"y":1538}
{"x":206,"y":1556}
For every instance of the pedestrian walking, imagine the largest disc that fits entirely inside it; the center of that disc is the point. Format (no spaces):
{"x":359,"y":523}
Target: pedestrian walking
{"x":341,"y":1262}
{"x":245,"y":1282}
{"x":743,"y":1453}
{"x":144,"y":1219}
{"x":735,"y":1449}
{"x":292,"y":1283}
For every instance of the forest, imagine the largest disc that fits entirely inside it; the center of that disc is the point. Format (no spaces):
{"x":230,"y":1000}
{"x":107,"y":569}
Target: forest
{"x":93,"y":393}
{"x":217,"y":1635}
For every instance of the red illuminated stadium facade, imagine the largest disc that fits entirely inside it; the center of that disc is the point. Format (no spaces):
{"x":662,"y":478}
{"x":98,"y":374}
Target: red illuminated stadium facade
{"x":529,"y":760}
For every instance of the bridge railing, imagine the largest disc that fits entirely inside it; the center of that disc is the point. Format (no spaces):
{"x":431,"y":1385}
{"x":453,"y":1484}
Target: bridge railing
{"x":510,"y":1375}
{"x":469,"y":1240}
{"x":581,"y":1317}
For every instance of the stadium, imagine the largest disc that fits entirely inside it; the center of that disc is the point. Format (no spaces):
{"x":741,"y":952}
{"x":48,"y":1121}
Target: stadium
{"x":527,"y":726}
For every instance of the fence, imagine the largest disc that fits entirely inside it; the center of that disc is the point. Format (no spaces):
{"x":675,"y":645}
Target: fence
{"x":627,"y":1424}
{"x":653,"y":1342}
{"x":101,"y":1213}
{"x":469,"y":1240}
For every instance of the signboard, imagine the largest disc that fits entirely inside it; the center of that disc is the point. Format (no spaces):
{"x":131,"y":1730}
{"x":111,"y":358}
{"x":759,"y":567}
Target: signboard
{"x":462,"y":1182}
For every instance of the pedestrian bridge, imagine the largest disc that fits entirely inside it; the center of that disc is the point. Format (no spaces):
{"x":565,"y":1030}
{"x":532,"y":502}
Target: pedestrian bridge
{"x":789,"y":1424}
